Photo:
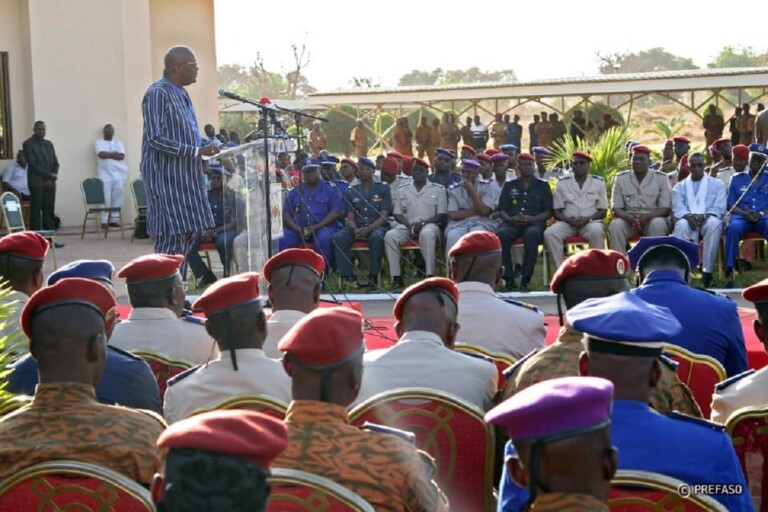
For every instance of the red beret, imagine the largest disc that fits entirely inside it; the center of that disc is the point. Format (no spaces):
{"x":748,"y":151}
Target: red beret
{"x":395,"y":154}
{"x":407,"y":165}
{"x":476,"y":242}
{"x":25,"y":244}
{"x":249,"y":435}
{"x":151,"y":267}
{"x":67,"y":292}
{"x":440,"y":283}
{"x":740,"y":151}
{"x":669,"y":143}
{"x":302,"y":257}
{"x":350,"y":162}
{"x":390,"y":166}
{"x":484,"y":157}
{"x":756,"y":293}
{"x":466,"y":147}
{"x":583,"y":155}
{"x":526,"y":156}
{"x":641,"y":149}
{"x":421,"y":162}
{"x":492,"y":151}
{"x":721,"y":141}
{"x":685,"y":140}
{"x":228,"y":292}
{"x":590,"y":263}
{"x":325,"y":337}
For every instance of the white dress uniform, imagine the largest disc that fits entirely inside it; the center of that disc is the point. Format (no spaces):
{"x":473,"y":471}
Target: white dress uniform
{"x":498,"y":325}
{"x":725,"y":174}
{"x":10,"y":325}
{"x":742,"y":390}
{"x":707,"y":197}
{"x":420,"y":359}
{"x":278,"y":324}
{"x":113,"y":173}
{"x":206,"y":386}
{"x":159,"y":330}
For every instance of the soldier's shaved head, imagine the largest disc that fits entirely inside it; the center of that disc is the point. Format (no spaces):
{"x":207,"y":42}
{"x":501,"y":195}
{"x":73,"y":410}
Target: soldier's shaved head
{"x":483,"y":268}
{"x":431,"y":310}
{"x":294,"y":287}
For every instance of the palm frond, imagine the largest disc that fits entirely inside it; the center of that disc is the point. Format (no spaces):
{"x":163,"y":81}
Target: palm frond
{"x":10,"y":345}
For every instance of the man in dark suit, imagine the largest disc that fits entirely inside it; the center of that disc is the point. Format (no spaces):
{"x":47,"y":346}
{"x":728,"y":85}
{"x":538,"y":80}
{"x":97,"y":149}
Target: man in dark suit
{"x":43,"y":170}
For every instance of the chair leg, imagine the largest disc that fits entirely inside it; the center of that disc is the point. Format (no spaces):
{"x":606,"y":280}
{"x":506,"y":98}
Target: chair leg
{"x":85,"y":220}
{"x":120,"y":218}
{"x":53,"y":253}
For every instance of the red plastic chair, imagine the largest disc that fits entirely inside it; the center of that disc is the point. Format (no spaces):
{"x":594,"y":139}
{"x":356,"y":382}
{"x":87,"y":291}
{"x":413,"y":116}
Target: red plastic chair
{"x":643,"y":491}
{"x":163,"y":368}
{"x":259,"y":403}
{"x":450,"y":430}
{"x":299,"y":491}
{"x":699,"y":372}
{"x":501,"y":361}
{"x":72,"y":486}
{"x":748,"y":428}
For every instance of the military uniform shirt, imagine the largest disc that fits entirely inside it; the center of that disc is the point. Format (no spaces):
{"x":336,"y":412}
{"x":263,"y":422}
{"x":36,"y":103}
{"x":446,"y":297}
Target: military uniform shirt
{"x":417,"y":205}
{"x":567,"y":501}
{"x":580,"y":201}
{"x":368,"y":206}
{"x":755,"y":196}
{"x":641,"y":198}
{"x":747,"y":389}
{"x":308,"y":208}
{"x":451,"y":178}
{"x":279,"y":323}
{"x":515,"y":198}
{"x":458,"y":198}
{"x":209,"y":385}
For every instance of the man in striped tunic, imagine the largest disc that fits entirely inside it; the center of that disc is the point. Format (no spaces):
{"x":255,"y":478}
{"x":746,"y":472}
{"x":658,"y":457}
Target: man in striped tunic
{"x":171,"y":151}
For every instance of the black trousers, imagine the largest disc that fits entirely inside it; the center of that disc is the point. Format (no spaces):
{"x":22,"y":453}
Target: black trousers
{"x":42,"y":204}
{"x":531,"y":236}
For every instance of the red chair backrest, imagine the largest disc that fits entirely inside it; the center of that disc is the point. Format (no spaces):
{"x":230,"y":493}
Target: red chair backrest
{"x":450,"y":430}
{"x":501,"y":361}
{"x":748,"y":428}
{"x":75,"y":486}
{"x":699,"y":372}
{"x":643,"y":491}
{"x":299,"y":491}
{"x":162,"y":368}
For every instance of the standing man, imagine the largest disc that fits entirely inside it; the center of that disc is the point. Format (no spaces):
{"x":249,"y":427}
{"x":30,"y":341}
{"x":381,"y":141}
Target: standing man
{"x":43,"y":171}
{"x":514,"y":132}
{"x":641,"y":202}
{"x":698,"y":205}
{"x":449,"y":133}
{"x":171,"y":164}
{"x":499,"y":132}
{"x":525,"y":204}
{"x":113,"y":171}
{"x":533,"y":133}
{"x":580,"y":205}
{"x":761,"y":127}
{"x":466,"y":132}
{"x":713,"y":124}
{"x":745,"y":125}
{"x":424,"y":139}
{"x":479,"y":135}
{"x":15,"y":177}
{"x":359,"y":139}
{"x":317,"y":139}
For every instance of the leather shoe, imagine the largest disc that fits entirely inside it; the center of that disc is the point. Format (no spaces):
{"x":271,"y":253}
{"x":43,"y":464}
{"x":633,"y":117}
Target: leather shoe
{"x":706,"y":279}
{"x":114,"y":225}
{"x":58,"y":245}
{"x":524,"y":287}
{"x":207,"y":279}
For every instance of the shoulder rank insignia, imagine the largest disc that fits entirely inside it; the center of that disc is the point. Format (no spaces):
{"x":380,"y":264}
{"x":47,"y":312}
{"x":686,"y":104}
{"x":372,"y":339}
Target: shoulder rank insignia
{"x":183,"y":375}
{"x":595,"y":176}
{"x":509,"y":371}
{"x":383,"y":429}
{"x":482,"y":357}
{"x":481,"y":180}
{"x":454,"y":185}
{"x":669,"y":362}
{"x":622,"y":173}
{"x":520,"y":304}
{"x":730,"y":380}
{"x":698,"y":421}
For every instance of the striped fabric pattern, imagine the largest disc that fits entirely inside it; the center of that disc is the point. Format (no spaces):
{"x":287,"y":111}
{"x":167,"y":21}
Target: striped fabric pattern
{"x":173,"y":174}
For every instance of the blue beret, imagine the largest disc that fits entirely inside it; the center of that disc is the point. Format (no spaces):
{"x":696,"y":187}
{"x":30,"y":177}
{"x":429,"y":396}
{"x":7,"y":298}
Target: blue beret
{"x":364,"y":160}
{"x":446,"y":152}
{"x":758,"y":148}
{"x":630,"y":144}
{"x":310,"y":162}
{"x":509,"y":147}
{"x":98,"y":270}
{"x":329,"y":159}
{"x":647,"y":243}
{"x":539,"y":150}
{"x":218,"y":170}
{"x":624,"y":324}
{"x":468,"y":162}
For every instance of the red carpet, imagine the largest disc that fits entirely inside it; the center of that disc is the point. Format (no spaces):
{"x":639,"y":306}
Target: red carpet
{"x":380,"y":333}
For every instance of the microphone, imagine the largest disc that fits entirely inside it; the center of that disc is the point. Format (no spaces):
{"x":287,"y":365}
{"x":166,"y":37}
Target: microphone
{"x":237,"y":97}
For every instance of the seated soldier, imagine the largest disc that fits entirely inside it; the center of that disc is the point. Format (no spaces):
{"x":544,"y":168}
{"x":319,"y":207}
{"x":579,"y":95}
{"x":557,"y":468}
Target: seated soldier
{"x":156,"y":324}
{"x":420,"y":209}
{"x":235,"y":320}
{"x":470,"y":203}
{"x":445,"y":165}
{"x":127,"y":379}
{"x":368,"y":206}
{"x":294,"y":277}
{"x":228,"y":213}
{"x":22,"y":256}
{"x":67,"y":324}
{"x":324,"y":357}
{"x":238,"y":447}
{"x":425,"y":316}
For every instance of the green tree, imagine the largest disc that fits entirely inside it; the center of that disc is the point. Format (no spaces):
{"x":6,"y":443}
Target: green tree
{"x":667,"y":129}
{"x":418,"y":77}
{"x":739,"y":57}
{"x":653,"y":59}
{"x":341,"y":122}
{"x":455,"y":76}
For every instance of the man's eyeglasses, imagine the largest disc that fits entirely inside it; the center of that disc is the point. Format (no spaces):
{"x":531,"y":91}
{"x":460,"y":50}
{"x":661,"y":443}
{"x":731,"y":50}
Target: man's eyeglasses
{"x":192,"y":64}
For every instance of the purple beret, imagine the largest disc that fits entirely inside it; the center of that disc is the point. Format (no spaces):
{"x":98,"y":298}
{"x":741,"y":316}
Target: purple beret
{"x":468,"y":162}
{"x":500,"y":157}
{"x":536,"y":150}
{"x":555,"y":408}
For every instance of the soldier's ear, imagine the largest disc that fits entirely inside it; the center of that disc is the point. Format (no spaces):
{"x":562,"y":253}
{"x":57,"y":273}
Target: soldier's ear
{"x":156,"y":489}
{"x":399,"y":329}
{"x":610,"y":463}
{"x":584,"y":364}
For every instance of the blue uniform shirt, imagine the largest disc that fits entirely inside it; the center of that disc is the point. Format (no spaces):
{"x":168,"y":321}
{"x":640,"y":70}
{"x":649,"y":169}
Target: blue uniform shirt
{"x":710,"y":323}
{"x":127,"y":381}
{"x":225,"y":208}
{"x":367,"y":206}
{"x":756,"y":197}
{"x":307,"y":208}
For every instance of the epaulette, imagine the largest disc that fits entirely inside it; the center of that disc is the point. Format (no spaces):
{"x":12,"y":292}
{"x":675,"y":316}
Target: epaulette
{"x":483,"y":357}
{"x":194,"y":319}
{"x":565,"y":178}
{"x":183,"y":375}
{"x":383,"y":429}
{"x":520,"y":304}
{"x":730,"y":380}
{"x":593,"y":175}
{"x":519,"y":363}
{"x":454,"y":185}
{"x":697,"y":421}
{"x":669,"y":362}
{"x":481,"y":180}
{"x":124,"y":352}
{"x":663,"y":173}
